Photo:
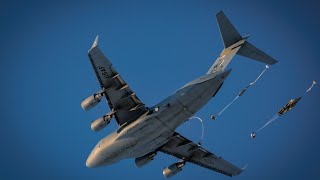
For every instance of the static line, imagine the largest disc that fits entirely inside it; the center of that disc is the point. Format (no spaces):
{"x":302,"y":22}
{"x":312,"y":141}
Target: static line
{"x":267,"y":67}
{"x":227,"y":105}
{"x":240,"y":93}
{"x":202,"y":134}
{"x":313,"y":83}
{"x":275,"y":117}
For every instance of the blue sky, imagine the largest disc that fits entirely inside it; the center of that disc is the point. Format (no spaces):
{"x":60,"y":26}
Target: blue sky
{"x":157,"y":46}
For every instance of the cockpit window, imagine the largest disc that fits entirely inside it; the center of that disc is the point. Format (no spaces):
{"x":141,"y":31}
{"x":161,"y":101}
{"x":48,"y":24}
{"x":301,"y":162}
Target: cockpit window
{"x":100,"y":142}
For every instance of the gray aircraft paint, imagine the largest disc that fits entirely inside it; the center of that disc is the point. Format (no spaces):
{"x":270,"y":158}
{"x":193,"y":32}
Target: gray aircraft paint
{"x":156,"y":126}
{"x":149,"y":132}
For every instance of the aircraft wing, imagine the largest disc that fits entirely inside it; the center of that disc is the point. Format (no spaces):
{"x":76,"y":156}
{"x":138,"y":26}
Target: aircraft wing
{"x":121,"y":99}
{"x":185,"y":149}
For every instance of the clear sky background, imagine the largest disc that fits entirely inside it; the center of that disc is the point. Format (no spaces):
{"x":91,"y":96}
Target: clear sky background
{"x":157,"y":46}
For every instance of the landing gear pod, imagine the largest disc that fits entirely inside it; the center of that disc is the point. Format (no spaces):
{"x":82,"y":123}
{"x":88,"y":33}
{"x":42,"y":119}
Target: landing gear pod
{"x":144,"y":160}
{"x":253,"y":135}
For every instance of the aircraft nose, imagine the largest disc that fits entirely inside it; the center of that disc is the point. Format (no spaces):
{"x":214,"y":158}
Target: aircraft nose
{"x":89,"y":163}
{"x":92,"y":160}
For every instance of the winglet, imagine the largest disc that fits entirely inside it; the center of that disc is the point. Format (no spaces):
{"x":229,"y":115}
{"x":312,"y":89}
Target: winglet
{"x":95,"y":43}
{"x":244,"y":167}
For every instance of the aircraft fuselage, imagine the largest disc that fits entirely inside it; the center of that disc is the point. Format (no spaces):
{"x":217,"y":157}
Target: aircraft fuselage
{"x":155,"y":128}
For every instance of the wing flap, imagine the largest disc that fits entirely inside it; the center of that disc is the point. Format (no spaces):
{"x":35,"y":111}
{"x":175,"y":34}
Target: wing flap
{"x":185,"y":149}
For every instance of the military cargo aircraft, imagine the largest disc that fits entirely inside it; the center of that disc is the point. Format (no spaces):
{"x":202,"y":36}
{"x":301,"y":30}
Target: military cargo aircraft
{"x":144,"y":131}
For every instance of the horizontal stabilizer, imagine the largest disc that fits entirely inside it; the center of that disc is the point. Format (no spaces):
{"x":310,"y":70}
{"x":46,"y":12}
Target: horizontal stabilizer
{"x":250,"y":51}
{"x":229,"y":33}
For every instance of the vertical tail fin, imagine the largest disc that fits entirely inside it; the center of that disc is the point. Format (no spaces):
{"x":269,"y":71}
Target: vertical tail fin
{"x":229,"y":33}
{"x":234,"y":43}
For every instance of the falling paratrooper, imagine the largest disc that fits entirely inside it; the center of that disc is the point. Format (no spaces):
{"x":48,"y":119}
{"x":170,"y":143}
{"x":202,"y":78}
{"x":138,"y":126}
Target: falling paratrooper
{"x":253,"y":135}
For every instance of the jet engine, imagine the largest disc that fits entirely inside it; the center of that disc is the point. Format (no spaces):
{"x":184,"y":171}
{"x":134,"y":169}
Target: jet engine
{"x":173,"y":169}
{"x":144,"y":160}
{"x":91,"y":101}
{"x":100,"y":123}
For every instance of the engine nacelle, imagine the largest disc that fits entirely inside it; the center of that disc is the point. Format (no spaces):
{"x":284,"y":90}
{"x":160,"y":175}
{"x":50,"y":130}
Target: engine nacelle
{"x":91,"y":101}
{"x":100,"y":123}
{"x":144,"y":160}
{"x":173,"y":169}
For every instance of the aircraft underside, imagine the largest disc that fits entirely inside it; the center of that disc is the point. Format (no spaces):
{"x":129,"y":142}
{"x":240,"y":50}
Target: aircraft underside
{"x":144,"y":131}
